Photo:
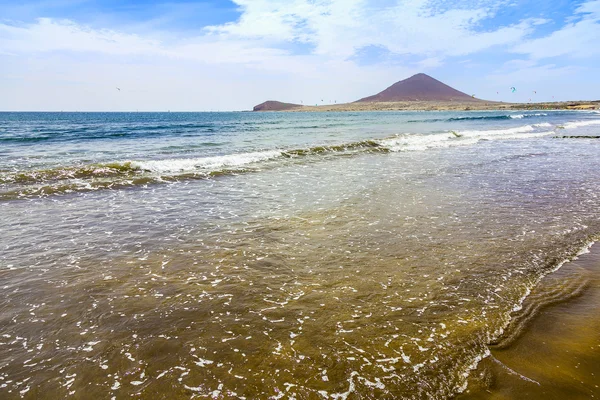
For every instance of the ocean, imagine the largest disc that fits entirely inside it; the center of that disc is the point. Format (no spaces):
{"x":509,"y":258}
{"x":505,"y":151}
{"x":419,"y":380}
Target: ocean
{"x":281,"y":255}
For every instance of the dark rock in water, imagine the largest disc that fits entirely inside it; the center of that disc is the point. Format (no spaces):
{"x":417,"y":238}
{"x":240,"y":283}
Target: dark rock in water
{"x":577,"y":137}
{"x":419,"y":87}
{"x":272,"y":105}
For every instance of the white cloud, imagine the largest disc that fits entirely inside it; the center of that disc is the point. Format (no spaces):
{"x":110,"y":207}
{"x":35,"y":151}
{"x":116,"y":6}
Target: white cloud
{"x":334,"y":28}
{"x":259,"y":54}
{"x":47,"y":35}
{"x":339,"y":27}
{"x":579,"y":38}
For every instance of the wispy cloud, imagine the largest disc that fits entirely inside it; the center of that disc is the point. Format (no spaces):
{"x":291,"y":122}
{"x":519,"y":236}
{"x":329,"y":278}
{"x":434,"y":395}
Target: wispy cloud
{"x":335,"y":29}
{"x":313,"y":46}
{"x":580,"y":37}
{"x":339,"y":28}
{"x":47,"y":35}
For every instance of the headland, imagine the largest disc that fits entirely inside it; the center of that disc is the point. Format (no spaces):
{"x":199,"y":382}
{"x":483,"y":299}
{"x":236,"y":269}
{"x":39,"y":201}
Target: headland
{"x":421,"y":92}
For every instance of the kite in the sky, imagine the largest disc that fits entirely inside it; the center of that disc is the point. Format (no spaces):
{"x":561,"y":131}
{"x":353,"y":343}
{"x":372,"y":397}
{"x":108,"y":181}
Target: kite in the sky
{"x":513,"y":89}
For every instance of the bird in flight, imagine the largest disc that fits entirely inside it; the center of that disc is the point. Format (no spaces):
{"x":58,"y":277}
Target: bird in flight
{"x":119,"y":89}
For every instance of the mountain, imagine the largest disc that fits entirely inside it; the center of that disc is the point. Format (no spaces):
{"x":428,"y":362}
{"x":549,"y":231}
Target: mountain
{"x":272,"y":105}
{"x":415,"y":91}
{"x":419,"y":87}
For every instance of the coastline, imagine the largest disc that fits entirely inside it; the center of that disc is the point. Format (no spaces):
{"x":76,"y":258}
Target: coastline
{"x":476,"y":105}
{"x":348,"y":242}
{"x":551,"y":350}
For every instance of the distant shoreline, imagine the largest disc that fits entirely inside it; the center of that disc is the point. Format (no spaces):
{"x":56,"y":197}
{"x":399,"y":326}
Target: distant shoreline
{"x":445,"y":106}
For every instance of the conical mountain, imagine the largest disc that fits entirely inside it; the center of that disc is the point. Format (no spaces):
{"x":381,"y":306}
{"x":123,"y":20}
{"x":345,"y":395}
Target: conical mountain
{"x":419,"y":87}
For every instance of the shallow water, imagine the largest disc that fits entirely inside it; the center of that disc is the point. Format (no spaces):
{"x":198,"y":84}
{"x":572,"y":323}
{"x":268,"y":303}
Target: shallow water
{"x":555,"y":355}
{"x":312,"y":256}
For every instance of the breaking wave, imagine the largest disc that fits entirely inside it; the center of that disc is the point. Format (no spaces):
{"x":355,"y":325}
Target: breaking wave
{"x":579,"y":124}
{"x":119,"y":174}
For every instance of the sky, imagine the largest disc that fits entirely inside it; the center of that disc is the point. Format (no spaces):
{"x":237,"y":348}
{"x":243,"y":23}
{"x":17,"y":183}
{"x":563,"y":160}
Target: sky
{"x":218,"y":55}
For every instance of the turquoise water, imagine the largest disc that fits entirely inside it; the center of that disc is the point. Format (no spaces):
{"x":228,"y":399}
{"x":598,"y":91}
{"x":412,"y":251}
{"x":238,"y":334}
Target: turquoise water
{"x":278,"y":255}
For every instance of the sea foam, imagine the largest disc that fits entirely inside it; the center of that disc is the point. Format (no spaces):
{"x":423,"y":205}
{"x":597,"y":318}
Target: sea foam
{"x":578,"y":124}
{"x":205,"y":163}
{"x":415,"y":142}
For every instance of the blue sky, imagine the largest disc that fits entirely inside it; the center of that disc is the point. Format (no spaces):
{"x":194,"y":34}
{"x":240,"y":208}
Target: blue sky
{"x":230,"y":55}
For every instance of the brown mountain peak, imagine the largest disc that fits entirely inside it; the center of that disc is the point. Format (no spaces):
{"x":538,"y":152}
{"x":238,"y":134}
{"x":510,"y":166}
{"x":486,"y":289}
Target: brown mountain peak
{"x":419,"y":87}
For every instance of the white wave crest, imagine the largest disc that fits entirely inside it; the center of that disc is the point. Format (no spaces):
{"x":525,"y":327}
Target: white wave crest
{"x":578,"y":124}
{"x":415,"y":142}
{"x":405,"y":142}
{"x":498,"y":132}
{"x":520,"y":116}
{"x":205,"y":163}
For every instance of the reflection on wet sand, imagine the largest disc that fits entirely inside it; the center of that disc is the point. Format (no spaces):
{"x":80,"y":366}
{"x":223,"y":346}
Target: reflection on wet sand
{"x":556,"y":354}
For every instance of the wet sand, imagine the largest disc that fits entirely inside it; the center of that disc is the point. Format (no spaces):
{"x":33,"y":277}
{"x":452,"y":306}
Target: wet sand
{"x":553,"y":353}
{"x":288,"y":255}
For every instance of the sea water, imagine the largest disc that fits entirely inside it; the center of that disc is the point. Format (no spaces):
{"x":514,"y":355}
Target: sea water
{"x":279,"y":255}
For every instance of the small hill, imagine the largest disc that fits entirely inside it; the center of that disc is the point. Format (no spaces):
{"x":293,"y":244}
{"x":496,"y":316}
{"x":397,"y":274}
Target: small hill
{"x":419,"y":87}
{"x":272,"y":105}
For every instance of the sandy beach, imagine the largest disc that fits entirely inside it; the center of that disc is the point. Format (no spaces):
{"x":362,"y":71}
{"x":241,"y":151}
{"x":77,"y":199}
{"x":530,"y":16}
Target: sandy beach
{"x":553,"y":352}
{"x":371,"y":255}
{"x":450,"y":106}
